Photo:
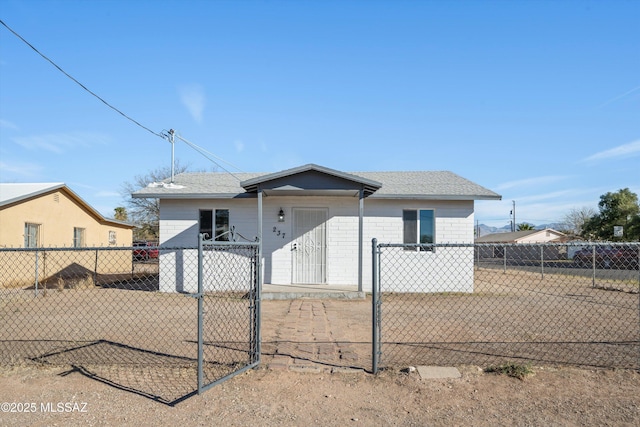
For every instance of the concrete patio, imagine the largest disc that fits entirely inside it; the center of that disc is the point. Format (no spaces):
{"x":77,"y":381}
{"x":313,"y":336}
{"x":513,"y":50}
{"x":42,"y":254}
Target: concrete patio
{"x":285,"y":292}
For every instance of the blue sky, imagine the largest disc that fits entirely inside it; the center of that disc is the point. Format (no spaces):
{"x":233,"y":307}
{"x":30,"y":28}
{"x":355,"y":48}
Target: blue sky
{"x":536,"y":100}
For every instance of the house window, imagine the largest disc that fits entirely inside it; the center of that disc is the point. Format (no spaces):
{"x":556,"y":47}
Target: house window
{"x":419,"y":227}
{"x":112,"y":237}
{"x":221,"y":217}
{"x":78,"y":237}
{"x":31,"y":235}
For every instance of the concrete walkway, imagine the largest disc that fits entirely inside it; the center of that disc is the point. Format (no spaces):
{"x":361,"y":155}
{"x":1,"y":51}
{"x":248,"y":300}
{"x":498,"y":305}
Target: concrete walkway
{"x":326,"y":335}
{"x":310,"y":339}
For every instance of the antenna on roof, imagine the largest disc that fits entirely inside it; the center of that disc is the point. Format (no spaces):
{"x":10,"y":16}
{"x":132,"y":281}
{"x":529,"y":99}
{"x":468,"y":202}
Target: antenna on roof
{"x":173,"y":153}
{"x":170,"y":136}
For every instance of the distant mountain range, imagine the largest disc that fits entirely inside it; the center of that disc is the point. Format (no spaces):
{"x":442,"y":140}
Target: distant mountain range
{"x":485,"y":229}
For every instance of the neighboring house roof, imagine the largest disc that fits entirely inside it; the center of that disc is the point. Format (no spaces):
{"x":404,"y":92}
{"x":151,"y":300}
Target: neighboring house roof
{"x":15,"y":193}
{"x":519,"y":236}
{"x":12,"y":193}
{"x":434,"y":185}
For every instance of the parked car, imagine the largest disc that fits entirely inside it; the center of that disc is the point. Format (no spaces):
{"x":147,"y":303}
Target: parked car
{"x":144,"y":250}
{"x":620,"y":257}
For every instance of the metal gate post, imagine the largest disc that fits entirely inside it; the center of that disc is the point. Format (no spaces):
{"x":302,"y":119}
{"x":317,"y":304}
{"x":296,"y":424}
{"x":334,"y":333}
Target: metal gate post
{"x":258,"y":302}
{"x":200,"y":316}
{"x":374,"y":306}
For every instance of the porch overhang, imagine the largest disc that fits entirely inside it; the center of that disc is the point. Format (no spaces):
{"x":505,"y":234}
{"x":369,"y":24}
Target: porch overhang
{"x":311,"y":180}
{"x":314,"y":180}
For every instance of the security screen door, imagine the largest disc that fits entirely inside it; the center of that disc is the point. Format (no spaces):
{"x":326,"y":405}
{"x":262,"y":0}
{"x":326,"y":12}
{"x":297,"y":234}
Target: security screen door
{"x":309,"y":252}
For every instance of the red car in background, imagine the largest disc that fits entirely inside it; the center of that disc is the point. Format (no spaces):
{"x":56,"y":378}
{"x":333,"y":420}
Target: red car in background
{"x":144,"y":250}
{"x":619,"y":257}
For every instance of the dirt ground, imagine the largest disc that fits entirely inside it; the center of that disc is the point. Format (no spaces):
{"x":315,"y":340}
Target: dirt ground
{"x":312,"y":373}
{"x":102,"y":357}
{"x":265,"y":397}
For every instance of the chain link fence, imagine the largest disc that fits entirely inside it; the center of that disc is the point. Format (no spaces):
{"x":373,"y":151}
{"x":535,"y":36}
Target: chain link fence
{"x":127,"y":316}
{"x":484,"y":304}
{"x":167,"y":322}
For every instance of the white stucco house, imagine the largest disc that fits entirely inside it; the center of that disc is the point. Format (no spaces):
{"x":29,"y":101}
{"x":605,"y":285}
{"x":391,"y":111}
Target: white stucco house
{"x":316,"y":224}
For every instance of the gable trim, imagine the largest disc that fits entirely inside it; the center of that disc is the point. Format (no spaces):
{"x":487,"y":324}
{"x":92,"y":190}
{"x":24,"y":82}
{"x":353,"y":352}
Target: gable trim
{"x":279,"y":182}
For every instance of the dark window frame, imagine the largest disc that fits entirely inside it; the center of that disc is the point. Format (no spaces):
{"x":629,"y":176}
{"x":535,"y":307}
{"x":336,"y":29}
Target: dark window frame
{"x":216,"y":221}
{"x":417,"y":226}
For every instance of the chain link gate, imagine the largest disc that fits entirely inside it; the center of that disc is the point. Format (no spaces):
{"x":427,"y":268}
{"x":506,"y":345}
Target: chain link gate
{"x":228,"y":310}
{"x":162,"y":322}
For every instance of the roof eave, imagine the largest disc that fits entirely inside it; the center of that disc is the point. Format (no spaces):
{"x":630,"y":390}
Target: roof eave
{"x":435,"y":196}
{"x":101,"y":218}
{"x":191,"y":195}
{"x":252,"y":195}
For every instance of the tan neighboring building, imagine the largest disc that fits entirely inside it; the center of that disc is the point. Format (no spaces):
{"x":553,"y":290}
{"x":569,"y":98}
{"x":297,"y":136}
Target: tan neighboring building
{"x":50,"y":215}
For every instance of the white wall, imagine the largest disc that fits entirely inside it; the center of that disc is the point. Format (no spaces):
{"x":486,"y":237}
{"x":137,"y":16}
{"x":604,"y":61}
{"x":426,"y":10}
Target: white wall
{"x":383,"y":220}
{"x":179,"y":229}
{"x":445,"y":270}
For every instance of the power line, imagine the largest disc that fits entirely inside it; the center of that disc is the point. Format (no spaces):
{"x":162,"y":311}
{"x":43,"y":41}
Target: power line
{"x":78,"y":83}
{"x":200,"y":150}
{"x":206,"y":154}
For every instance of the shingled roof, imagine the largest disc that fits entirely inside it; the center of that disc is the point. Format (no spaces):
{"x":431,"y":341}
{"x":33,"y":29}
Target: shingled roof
{"x":435,"y":185}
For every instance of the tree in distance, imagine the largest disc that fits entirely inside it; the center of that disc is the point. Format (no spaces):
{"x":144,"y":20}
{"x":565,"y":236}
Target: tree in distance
{"x":145,"y":213}
{"x":615,"y":209}
{"x":576,"y":218}
{"x":525,"y":227}
{"x":120,"y":213}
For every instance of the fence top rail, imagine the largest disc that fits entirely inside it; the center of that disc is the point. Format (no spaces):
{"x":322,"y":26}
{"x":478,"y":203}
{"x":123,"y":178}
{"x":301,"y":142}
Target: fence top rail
{"x":162,"y":248}
{"x":228,"y":244}
{"x":519,"y":245}
{"x":96,"y":248}
{"x":75,"y":249}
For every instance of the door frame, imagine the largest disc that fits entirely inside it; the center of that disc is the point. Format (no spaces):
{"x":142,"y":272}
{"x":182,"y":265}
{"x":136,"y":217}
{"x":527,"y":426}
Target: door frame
{"x":295,"y":246}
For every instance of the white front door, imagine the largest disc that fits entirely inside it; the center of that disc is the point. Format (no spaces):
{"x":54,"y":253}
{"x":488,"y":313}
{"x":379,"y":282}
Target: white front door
{"x":309,"y":245}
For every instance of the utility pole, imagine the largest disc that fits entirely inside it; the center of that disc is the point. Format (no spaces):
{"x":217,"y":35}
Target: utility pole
{"x":513,"y":210}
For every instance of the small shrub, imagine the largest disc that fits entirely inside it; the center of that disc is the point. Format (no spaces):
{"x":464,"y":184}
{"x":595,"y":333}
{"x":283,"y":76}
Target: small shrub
{"x":82,"y":282}
{"x":512,"y":370}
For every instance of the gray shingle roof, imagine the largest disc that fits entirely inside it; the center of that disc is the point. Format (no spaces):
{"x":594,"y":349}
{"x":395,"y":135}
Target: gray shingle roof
{"x":428,"y":185}
{"x":437,"y":185}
